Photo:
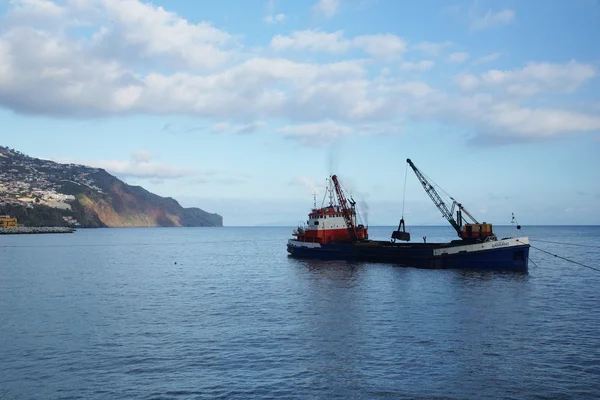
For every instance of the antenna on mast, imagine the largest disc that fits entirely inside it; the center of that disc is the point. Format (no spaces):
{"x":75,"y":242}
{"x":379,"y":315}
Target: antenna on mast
{"x":314,"y":198}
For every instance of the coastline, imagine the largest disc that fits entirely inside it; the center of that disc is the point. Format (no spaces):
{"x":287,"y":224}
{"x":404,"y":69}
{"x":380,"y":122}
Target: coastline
{"x":35,"y":230}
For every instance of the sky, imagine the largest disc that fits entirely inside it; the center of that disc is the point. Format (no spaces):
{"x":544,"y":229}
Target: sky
{"x":244,"y":108}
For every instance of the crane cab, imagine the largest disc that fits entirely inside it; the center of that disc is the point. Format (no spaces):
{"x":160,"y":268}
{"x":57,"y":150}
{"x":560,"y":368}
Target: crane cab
{"x":476,"y":231}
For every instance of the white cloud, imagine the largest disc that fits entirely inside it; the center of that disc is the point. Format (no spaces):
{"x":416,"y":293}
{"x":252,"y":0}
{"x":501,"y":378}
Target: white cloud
{"x":415,"y":89}
{"x":467,"y":82}
{"x":220,"y":177}
{"x":260,"y":87}
{"x":48,"y":70}
{"x":35,"y":10}
{"x":143,"y":169}
{"x":220,"y":127}
{"x":219,"y":181}
{"x":421,"y":66}
{"x":140,"y":166}
{"x":432,"y":48}
{"x":142,"y":155}
{"x":541,"y":122}
{"x":458,"y":57}
{"x":379,"y":45}
{"x":533,"y":78}
{"x":43,"y":73}
{"x":143,"y":30}
{"x":244,"y":128}
{"x":128,"y":29}
{"x":312,"y":40}
{"x":500,"y":121}
{"x":410,"y":90}
{"x":493,"y":20}
{"x":308,"y":184}
{"x":270,"y":6}
{"x":487,"y":58}
{"x":317,"y":134}
{"x":272,"y":19}
{"x":6,"y":71}
{"x":326,"y":8}
{"x":251,"y":127}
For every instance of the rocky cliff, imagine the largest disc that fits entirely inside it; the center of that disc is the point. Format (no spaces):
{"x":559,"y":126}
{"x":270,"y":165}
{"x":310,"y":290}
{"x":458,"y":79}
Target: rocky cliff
{"x":40,"y":192}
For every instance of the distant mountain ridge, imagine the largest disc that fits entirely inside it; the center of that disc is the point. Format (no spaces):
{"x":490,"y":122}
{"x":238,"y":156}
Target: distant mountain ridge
{"x":43,"y":193}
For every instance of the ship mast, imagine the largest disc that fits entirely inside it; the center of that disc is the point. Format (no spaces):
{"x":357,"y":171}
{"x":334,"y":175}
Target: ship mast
{"x":346,"y":211}
{"x":330,"y":189}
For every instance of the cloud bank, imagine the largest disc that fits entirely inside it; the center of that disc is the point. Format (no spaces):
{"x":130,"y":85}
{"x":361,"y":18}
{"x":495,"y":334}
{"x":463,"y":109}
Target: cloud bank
{"x":200,"y":70}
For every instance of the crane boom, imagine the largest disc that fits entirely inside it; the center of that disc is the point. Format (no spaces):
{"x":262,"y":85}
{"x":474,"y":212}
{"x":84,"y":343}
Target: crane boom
{"x":346,"y":211}
{"x":462,"y":209}
{"x":435,"y":197}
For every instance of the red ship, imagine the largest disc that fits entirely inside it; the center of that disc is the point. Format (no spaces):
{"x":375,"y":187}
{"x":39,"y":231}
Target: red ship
{"x":335,"y":223}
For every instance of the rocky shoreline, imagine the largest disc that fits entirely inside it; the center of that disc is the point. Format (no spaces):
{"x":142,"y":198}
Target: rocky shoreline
{"x":28,"y":229}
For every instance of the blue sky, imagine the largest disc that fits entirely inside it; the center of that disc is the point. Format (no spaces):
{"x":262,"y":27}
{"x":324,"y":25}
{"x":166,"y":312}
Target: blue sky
{"x":245,"y":107}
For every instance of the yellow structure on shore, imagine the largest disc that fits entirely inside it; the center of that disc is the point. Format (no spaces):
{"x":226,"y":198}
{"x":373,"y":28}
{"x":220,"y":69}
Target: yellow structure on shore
{"x":8,"y":222}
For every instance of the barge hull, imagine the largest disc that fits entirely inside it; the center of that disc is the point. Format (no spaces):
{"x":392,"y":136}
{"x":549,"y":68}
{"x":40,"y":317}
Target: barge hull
{"x":506,"y":255}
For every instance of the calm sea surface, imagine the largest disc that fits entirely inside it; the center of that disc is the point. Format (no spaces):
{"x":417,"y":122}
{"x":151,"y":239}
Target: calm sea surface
{"x":184,"y":313}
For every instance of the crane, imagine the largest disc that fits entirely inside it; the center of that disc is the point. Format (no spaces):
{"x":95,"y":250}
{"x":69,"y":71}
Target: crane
{"x":346,"y":211}
{"x":466,"y":232}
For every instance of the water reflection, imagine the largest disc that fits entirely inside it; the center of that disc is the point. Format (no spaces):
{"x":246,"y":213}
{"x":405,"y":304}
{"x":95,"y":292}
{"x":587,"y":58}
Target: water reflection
{"x":482,"y":275}
{"x":333,"y":319}
{"x":335,"y":270}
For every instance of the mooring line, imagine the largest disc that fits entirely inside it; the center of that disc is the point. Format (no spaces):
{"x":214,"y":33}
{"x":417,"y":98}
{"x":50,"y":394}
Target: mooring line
{"x":568,"y":244}
{"x":566,"y":259}
{"x":529,"y":258}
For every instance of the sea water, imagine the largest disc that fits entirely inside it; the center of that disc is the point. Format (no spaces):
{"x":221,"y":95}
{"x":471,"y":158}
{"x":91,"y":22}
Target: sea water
{"x":185,"y":313}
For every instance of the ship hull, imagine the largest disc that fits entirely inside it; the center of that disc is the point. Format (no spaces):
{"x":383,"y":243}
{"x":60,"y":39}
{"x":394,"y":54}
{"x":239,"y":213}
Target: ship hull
{"x":502,"y":255}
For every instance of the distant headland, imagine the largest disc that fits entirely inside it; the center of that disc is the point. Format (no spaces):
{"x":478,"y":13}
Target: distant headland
{"x":42,"y":193}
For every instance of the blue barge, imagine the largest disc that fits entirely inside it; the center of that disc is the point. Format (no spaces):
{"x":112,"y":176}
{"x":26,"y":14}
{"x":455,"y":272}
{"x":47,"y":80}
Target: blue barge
{"x":332,"y":232}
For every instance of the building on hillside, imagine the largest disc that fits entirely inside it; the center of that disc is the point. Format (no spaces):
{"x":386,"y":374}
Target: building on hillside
{"x":8,"y":222}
